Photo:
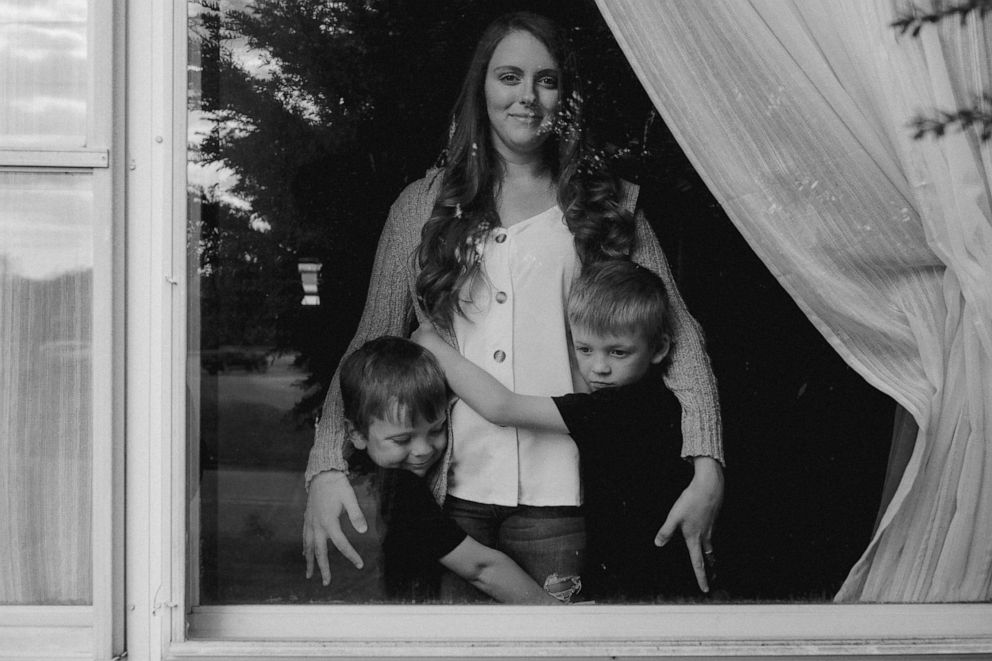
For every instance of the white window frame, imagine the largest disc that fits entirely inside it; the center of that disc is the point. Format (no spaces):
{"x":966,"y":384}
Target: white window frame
{"x":160,"y":626}
{"x":97,"y":630}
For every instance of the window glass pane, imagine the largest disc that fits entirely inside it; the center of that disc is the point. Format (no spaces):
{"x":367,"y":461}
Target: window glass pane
{"x":44,"y":89}
{"x":46,"y":263}
{"x":306,"y":122}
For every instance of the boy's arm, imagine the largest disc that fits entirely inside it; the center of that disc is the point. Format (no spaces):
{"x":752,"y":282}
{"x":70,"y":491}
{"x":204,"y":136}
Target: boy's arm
{"x":487,"y":396}
{"x":495,"y":574}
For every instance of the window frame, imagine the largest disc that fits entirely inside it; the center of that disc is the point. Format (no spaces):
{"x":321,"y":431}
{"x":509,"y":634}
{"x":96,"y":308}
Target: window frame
{"x":162,"y":625}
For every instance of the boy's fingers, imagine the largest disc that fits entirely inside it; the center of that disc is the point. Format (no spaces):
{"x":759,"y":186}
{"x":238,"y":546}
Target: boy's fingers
{"x":325,"y":566}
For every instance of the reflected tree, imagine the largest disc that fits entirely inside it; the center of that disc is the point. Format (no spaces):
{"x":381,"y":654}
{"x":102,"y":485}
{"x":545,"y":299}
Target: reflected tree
{"x":310,"y":105}
{"x":321,"y":112}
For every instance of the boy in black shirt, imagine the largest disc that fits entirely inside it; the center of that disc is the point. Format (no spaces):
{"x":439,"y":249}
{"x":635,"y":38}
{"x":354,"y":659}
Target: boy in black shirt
{"x":395,"y":406}
{"x":627,"y":428}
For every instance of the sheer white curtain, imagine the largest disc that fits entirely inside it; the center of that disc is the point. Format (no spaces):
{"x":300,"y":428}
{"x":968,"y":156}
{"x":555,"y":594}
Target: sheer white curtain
{"x":795,"y":114}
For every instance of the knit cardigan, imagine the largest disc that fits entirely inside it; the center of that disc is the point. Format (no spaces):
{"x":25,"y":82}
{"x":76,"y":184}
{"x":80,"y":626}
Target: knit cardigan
{"x":390,"y":310}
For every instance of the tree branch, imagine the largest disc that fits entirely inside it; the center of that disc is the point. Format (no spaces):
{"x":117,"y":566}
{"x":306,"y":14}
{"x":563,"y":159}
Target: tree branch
{"x":915,"y":19}
{"x":979,"y":116}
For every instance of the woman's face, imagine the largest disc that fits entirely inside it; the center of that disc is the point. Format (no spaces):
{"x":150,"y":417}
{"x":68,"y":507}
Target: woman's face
{"x":522,"y":91}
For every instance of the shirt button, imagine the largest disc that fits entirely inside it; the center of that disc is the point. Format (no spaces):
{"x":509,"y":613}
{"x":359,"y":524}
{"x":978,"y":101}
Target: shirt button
{"x":501,"y":237}
{"x":499,"y":356}
{"x":501,"y":297}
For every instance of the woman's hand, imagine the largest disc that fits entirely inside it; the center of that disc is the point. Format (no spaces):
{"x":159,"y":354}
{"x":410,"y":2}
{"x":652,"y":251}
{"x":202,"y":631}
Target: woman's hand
{"x":330,"y":493}
{"x":694,"y":513}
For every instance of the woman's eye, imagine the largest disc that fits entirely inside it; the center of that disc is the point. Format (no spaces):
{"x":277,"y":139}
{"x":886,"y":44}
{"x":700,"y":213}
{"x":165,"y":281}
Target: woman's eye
{"x":509,"y":78}
{"x":550,"y":82}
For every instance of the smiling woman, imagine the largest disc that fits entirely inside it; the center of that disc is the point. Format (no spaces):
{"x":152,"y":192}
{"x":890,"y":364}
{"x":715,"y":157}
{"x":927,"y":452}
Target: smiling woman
{"x":521,"y":94}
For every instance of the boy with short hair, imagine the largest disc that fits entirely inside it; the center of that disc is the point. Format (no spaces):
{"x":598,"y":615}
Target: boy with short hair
{"x":626,"y":428}
{"x":395,"y":405}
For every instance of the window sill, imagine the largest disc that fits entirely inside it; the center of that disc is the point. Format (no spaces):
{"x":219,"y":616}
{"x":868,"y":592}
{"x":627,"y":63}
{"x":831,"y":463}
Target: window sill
{"x":46,"y":632}
{"x":699,"y":631}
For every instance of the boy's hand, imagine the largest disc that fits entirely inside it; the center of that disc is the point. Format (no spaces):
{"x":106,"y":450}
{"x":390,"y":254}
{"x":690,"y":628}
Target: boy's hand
{"x":695,"y":513}
{"x":330,"y":493}
{"x":426,"y":336}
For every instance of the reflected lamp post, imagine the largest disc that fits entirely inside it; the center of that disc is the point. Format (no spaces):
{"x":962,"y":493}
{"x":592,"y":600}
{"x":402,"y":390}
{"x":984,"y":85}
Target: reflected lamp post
{"x":309,"y":276}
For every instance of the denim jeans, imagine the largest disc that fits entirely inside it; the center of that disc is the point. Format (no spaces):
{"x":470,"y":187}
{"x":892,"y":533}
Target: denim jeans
{"x":547,"y":542}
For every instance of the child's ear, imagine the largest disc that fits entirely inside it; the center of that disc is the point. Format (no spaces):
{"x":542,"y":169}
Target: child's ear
{"x":662,"y":350}
{"x":356,"y":437}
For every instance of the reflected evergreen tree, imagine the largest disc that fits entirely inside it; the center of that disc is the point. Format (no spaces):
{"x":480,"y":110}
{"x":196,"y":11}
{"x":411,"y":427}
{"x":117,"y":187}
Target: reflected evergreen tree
{"x":315,"y":108}
{"x":324,"y":111}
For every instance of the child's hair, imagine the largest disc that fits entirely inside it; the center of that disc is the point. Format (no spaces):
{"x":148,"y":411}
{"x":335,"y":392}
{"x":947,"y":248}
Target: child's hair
{"x":388,"y":377}
{"x":617,"y":296}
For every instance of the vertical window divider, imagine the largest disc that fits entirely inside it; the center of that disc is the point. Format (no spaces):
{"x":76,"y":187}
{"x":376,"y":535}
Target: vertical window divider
{"x":107,"y":350}
{"x":115,"y":16}
{"x":180,"y":443}
{"x":155,"y":181}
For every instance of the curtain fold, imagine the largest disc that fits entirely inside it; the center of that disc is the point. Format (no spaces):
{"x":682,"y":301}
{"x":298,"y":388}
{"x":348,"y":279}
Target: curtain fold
{"x":795,"y":113}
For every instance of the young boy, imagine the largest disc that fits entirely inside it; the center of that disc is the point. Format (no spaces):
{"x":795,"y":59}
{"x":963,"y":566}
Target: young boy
{"x":627,"y":428}
{"x":395,"y":405}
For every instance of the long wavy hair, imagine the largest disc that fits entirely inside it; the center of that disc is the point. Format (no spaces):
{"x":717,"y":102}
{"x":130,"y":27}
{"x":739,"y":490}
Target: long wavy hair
{"x":465,"y":209}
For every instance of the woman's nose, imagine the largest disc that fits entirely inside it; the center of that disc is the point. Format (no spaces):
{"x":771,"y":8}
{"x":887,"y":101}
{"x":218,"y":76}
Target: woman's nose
{"x":527,"y":95}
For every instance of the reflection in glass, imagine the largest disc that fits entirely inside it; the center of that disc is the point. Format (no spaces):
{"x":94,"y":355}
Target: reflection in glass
{"x":248,"y":432}
{"x":46,"y":261}
{"x":44,"y":87}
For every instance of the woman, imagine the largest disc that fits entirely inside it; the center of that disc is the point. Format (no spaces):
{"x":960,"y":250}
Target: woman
{"x":487,"y":250}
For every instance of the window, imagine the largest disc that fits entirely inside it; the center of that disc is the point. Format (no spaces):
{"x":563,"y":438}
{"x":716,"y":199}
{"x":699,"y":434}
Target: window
{"x":265,"y":232}
{"x":183,"y":610}
{"x":60,"y":348}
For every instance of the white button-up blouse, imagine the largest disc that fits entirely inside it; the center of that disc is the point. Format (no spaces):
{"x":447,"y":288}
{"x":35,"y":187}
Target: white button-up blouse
{"x":515,"y":328}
